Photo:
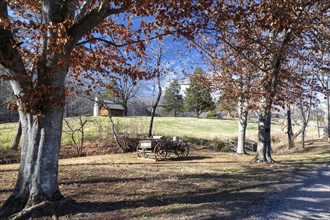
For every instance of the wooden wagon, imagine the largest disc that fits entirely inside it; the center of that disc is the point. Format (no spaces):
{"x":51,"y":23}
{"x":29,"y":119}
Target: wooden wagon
{"x":162,"y":149}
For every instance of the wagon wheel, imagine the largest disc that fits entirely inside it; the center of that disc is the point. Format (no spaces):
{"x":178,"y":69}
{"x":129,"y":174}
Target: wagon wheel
{"x":182,"y":149}
{"x":160,"y":152}
{"x":141,"y":152}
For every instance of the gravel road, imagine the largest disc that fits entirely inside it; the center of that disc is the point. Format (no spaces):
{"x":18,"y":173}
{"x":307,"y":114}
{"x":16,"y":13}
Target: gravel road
{"x":307,"y":197}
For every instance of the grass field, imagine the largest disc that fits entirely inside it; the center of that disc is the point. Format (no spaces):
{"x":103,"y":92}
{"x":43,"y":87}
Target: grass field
{"x":98,"y":129}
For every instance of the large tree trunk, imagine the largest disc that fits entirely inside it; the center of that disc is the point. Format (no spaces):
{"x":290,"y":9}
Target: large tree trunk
{"x":154,"y":106}
{"x":41,"y":115}
{"x":242,"y":123}
{"x":263,"y":153}
{"x":41,"y":108}
{"x":289,"y":131}
{"x":260,"y":154}
{"x":38,"y":172}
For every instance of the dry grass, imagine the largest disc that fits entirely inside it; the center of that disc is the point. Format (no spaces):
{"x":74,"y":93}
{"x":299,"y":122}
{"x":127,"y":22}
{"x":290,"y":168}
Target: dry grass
{"x":207,"y":185}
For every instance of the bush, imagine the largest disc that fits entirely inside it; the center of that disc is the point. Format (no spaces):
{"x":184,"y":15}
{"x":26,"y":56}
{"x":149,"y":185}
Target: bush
{"x":226,"y":149}
{"x":210,"y":114}
{"x":220,"y":146}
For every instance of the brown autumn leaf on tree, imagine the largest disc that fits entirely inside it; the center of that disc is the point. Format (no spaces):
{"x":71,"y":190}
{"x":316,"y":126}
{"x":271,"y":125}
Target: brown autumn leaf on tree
{"x":45,"y":45}
{"x":260,"y":39}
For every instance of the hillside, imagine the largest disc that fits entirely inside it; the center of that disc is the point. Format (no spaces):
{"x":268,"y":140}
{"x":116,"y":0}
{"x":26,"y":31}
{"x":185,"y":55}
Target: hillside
{"x":97,"y":129}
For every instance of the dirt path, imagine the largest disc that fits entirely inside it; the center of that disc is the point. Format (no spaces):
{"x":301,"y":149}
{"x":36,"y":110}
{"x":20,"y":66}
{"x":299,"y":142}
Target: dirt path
{"x":308,"y":197}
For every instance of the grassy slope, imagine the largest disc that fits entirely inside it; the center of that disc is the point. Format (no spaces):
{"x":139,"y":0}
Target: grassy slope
{"x":98,"y":128}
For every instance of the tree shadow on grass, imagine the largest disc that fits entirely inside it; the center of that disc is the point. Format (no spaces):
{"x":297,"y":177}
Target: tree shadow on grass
{"x":240,"y":203}
{"x":154,"y":202}
{"x":5,"y":190}
{"x":10,"y":170}
{"x":189,"y":158}
{"x":99,"y":180}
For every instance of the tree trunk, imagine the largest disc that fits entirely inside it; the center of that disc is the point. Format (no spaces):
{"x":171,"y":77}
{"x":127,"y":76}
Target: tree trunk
{"x":125,"y":108}
{"x":37,"y":180}
{"x":263,"y":153}
{"x":303,"y":134}
{"x":242,"y":123}
{"x":318,"y":126}
{"x":116,"y":136}
{"x":154,"y":106}
{"x":17,"y":137}
{"x":38,"y":173}
{"x":326,"y":125}
{"x":290,"y":131}
{"x":270,"y":82}
{"x":305,"y":113}
{"x":260,"y":154}
{"x":268,"y":148}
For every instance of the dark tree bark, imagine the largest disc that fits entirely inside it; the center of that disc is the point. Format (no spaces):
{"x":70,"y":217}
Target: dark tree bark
{"x":268,"y":148}
{"x":289,"y":131}
{"x":154,"y":106}
{"x":125,"y":109}
{"x":263,"y":153}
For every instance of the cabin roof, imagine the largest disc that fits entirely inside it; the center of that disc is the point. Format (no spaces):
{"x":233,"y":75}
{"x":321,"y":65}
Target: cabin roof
{"x":112,"y":105}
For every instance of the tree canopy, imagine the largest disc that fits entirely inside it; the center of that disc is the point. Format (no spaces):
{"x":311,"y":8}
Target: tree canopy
{"x":49,"y":49}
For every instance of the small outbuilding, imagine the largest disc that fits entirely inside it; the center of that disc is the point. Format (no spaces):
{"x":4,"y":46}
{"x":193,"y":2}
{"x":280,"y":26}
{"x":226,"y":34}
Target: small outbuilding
{"x":102,"y":108}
